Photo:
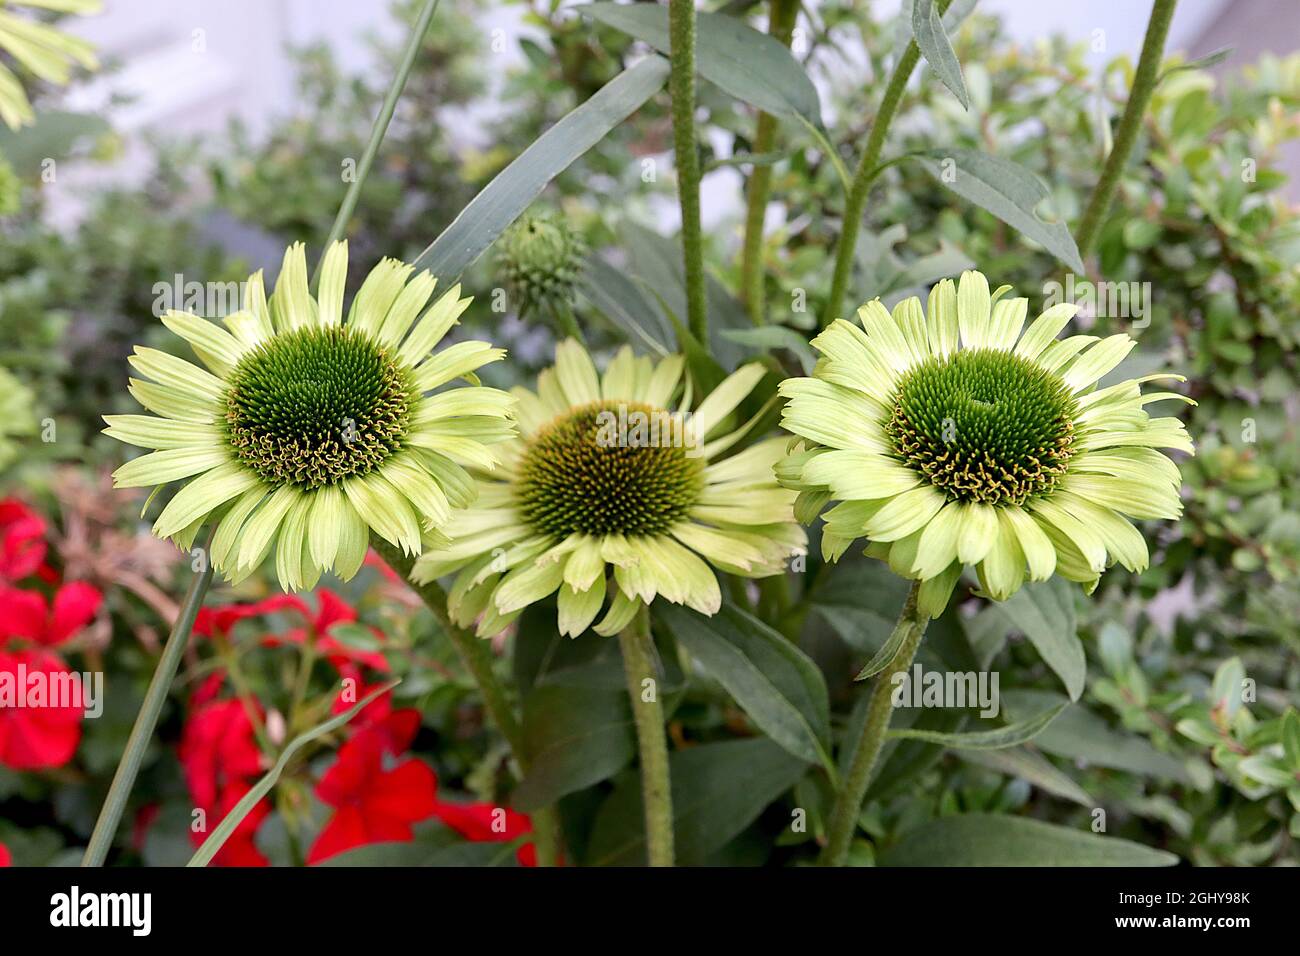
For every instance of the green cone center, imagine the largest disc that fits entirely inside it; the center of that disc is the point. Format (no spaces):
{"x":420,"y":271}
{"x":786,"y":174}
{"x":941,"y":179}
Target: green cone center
{"x":984,"y":425}
{"x":609,"y":468}
{"x":316,"y":406}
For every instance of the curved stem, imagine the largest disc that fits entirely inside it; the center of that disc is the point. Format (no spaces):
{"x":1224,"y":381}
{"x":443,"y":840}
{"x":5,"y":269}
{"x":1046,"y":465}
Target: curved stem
{"x":848,"y":804}
{"x":380,"y":128}
{"x":476,"y":656}
{"x":681,"y":86}
{"x":119,"y":792}
{"x":866,"y":173}
{"x":1144,"y":84}
{"x":639,"y":666}
{"x":780,"y":26}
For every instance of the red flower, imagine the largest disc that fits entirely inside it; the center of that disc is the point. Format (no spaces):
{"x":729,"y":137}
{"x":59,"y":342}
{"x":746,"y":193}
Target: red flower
{"x":218,"y":748}
{"x":394,"y":728}
{"x":5,"y":858}
{"x":36,"y":738}
{"x":22,"y":540}
{"x":486,"y":823}
{"x":333,"y":610}
{"x":239,"y":848}
{"x":372,"y":805}
{"x":27,"y":614}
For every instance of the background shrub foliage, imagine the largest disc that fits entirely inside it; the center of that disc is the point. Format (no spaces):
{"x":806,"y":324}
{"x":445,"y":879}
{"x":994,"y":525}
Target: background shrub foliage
{"x":1157,"y":747}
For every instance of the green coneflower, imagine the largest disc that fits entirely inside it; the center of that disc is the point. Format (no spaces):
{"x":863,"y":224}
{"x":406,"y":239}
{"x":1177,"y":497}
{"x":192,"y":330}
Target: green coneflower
{"x":611,"y":491}
{"x":308,"y":430}
{"x":951,"y":440}
{"x":541,"y":258}
{"x":48,"y":53}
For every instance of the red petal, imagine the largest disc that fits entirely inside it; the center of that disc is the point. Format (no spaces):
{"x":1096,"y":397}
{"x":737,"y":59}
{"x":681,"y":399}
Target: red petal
{"x":333,"y":609}
{"x":22,"y":613}
{"x":5,"y":858}
{"x":345,"y":830}
{"x":406,"y":793}
{"x":75,"y":605}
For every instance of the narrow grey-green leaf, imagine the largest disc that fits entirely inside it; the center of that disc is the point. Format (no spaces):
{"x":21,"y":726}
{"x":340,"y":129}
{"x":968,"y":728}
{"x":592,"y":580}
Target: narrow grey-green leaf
{"x":751,"y":66}
{"x":217,"y":838}
{"x":979,"y":839}
{"x":883,"y":656}
{"x":1044,"y":613}
{"x":774,"y":682}
{"x":1008,"y":191}
{"x":515,"y":187}
{"x":774,"y":337}
{"x":1032,"y":767}
{"x":1011,"y":735}
{"x":927,"y":29}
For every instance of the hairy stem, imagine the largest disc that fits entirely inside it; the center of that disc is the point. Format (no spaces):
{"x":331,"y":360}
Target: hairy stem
{"x":119,"y":792}
{"x":477,"y":657}
{"x":781,"y":26}
{"x":380,"y":128}
{"x":866,"y":173}
{"x":681,"y":86}
{"x":1144,"y":83}
{"x":848,"y":803}
{"x":639,"y":666}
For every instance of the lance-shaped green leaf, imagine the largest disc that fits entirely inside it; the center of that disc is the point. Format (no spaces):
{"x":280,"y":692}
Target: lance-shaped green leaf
{"x":932,"y":40}
{"x":979,"y":839}
{"x":515,"y":187}
{"x":1044,"y":613}
{"x":1011,"y":735}
{"x":751,"y":66}
{"x":1008,"y":191}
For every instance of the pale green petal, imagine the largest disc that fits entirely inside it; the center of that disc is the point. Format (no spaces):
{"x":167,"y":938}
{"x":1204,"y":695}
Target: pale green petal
{"x":1123,"y":541}
{"x":1007,"y":320}
{"x":663,"y":382}
{"x":159,"y":467}
{"x":1098,"y":360}
{"x":1086,"y":539}
{"x":619,"y":380}
{"x":255,"y":538}
{"x":577,"y":609}
{"x":584,"y":565}
{"x":902,"y":515}
{"x":453,"y":362}
{"x":376,"y":296}
{"x":932,"y":598}
{"x":147,"y":431}
{"x":471,"y":400}
{"x":354,"y":542}
{"x":433,"y":326}
{"x":200,"y":497}
{"x":979,"y":528}
{"x":324,"y":524}
{"x":1044,"y":330}
{"x":1034,"y":543}
{"x":1003,"y":569}
{"x":973,"y":305}
{"x":576,"y":374}
{"x":528,"y":584}
{"x":232,"y":522}
{"x":943,"y":328}
{"x":289,"y":545}
{"x":884,"y":337}
{"x":1060,"y":353}
{"x":405,"y":309}
{"x":173,"y":402}
{"x":333,"y":283}
{"x":722,"y":401}
{"x":621,"y":611}
{"x":910,"y":318}
{"x":860,"y":474}
{"x":937,"y":548}
{"x":291,"y":304}
{"x":177,"y":373}
{"x":255,"y":303}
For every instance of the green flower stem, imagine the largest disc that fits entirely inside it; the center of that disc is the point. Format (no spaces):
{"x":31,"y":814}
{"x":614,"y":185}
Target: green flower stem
{"x":379,"y":129}
{"x":478,"y":661}
{"x":865,"y":174}
{"x":848,"y":804}
{"x":781,"y":26}
{"x":1144,"y":83}
{"x":568,"y":323}
{"x":681,"y":86}
{"x":639,"y":665}
{"x":119,"y":792}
